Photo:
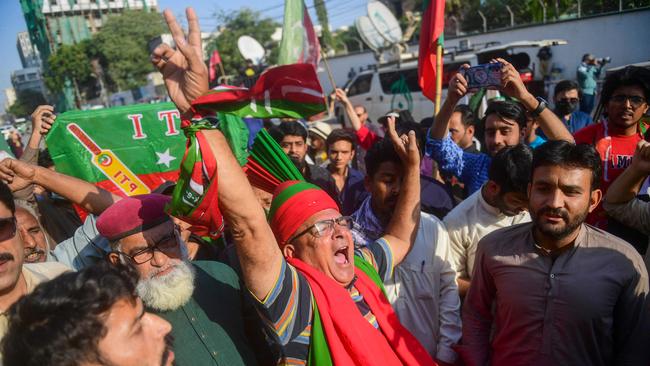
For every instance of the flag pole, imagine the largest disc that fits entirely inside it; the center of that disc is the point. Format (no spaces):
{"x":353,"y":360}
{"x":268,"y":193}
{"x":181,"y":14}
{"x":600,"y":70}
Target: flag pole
{"x":439,"y":73}
{"x":223,"y":72}
{"x":327,"y":68}
{"x":331,"y":78}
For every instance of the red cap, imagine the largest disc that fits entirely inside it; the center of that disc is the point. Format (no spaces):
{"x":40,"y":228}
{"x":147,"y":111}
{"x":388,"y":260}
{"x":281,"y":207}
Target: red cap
{"x":294,"y":202}
{"x":132,"y":215}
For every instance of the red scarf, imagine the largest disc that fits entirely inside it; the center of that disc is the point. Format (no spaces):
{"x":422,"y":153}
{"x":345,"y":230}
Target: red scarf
{"x":352,"y":340}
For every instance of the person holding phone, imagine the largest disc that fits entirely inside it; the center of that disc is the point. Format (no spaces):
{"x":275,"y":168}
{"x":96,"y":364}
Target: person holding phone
{"x":504,"y":123}
{"x":499,"y":200}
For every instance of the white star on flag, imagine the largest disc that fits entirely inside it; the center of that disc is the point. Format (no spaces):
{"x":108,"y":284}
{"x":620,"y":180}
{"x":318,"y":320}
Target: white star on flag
{"x":165,"y":158}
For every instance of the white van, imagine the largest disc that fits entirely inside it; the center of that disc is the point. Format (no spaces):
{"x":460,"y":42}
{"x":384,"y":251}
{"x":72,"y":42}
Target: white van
{"x":395,"y":86}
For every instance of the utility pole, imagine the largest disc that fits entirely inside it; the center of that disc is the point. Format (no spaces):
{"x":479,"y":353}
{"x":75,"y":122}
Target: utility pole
{"x":484,"y":21}
{"x":543,"y":10}
{"x":512,"y":16}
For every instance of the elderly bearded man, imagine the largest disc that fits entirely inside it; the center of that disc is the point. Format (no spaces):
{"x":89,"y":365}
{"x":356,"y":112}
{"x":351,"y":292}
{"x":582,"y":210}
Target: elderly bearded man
{"x":201,"y":299}
{"x":301,"y":267}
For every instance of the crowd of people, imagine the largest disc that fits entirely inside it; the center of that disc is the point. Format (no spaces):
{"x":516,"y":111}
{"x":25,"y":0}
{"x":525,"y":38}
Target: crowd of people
{"x":457,"y":241}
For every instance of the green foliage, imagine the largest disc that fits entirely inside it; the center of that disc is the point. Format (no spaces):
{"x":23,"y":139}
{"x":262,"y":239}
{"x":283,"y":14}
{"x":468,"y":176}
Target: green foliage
{"x":243,"y":22}
{"x":348,"y":40}
{"x":122,"y":47}
{"x":69,"y":61}
{"x":26,"y":102}
{"x":326,"y":40}
{"x":529,"y":11}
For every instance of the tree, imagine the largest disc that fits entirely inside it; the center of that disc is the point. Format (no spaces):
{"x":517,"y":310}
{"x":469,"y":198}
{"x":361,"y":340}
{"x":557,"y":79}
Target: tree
{"x":348,"y":40}
{"x":326,"y":35}
{"x":243,"y":22}
{"x":122,"y":47}
{"x":26,"y":102}
{"x":69,"y":62}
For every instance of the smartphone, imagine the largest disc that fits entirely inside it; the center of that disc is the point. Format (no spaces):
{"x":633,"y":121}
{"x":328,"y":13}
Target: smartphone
{"x":483,"y":76}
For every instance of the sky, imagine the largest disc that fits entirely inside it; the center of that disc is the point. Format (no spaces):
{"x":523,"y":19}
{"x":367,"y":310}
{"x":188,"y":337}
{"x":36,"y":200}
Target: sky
{"x":341,"y":12}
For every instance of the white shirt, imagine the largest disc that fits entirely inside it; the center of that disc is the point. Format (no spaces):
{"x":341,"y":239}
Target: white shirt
{"x":424,"y":293}
{"x":470,"y":221}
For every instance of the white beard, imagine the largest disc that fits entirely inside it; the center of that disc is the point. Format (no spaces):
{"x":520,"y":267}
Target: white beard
{"x":170,"y":291}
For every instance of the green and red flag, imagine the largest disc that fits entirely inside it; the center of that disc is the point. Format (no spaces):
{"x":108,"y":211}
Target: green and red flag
{"x":291,"y":91}
{"x":285,"y":91}
{"x":431,"y":37}
{"x":126,"y":150}
{"x":299,"y":41}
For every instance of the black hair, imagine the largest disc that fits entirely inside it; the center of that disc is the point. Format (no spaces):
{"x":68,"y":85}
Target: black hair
{"x":62,"y":321}
{"x":292,"y":128}
{"x":506,"y":109}
{"x":381,"y":152}
{"x":629,"y":76}
{"x":466,"y":115}
{"x":45,"y":159}
{"x":510,"y":169}
{"x":405,"y":116}
{"x":567,"y":85}
{"x":403,"y":128}
{"x":7,"y":198}
{"x":340,"y":134}
{"x":566,"y":154}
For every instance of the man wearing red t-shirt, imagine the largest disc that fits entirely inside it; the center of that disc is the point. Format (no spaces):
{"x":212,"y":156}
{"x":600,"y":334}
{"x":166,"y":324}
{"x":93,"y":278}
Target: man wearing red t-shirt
{"x":625,"y":98}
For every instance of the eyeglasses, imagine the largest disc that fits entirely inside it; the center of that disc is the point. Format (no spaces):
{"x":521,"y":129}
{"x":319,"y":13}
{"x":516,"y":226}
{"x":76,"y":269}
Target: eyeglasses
{"x":8,"y":228}
{"x":325,"y":227}
{"x":569,"y":100}
{"x":635,"y":100}
{"x":169,"y":244}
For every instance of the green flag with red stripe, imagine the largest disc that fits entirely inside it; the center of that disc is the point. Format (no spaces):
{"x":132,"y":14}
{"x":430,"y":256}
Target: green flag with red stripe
{"x":291,"y":91}
{"x":127,"y":150}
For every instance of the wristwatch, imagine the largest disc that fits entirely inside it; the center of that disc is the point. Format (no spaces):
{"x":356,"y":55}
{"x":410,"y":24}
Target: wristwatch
{"x":543,"y":104}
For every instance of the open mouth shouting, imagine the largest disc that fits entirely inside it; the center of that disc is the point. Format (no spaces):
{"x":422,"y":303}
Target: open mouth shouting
{"x":341,"y":256}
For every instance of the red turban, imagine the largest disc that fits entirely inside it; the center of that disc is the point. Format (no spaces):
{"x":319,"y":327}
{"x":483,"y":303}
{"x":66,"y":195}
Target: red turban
{"x":132,"y":215}
{"x":293,"y":203}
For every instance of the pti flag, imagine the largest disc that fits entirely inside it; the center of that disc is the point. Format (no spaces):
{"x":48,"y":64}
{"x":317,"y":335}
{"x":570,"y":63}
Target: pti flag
{"x":291,"y":91}
{"x":433,"y":22}
{"x":299,"y":42}
{"x":126,"y":150}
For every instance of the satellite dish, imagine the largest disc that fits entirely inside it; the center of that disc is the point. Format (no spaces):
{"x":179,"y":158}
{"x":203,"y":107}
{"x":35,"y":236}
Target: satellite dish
{"x":250,"y":49}
{"x":369,"y":33}
{"x":384,"y":22}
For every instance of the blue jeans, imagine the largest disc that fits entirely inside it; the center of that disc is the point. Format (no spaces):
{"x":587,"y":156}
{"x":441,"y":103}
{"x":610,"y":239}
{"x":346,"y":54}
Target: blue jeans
{"x":587,"y":103}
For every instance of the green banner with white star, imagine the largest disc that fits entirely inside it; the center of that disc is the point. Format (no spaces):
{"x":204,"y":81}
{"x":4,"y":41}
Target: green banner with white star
{"x":127,"y":150}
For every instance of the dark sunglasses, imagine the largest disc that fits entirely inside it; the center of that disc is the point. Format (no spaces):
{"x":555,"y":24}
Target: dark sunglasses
{"x":635,"y":100}
{"x":569,"y":100}
{"x":7,"y":228}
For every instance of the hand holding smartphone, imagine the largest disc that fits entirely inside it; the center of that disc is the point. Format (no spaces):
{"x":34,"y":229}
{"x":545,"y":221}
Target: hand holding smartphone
{"x":483,"y":76}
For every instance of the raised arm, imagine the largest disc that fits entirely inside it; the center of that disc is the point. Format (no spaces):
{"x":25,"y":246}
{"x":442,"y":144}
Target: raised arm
{"x":186,"y":78}
{"x":342,"y":97}
{"x":42,"y":119}
{"x":91,"y":198}
{"x":512,"y":85}
{"x":403,"y":226}
{"x":258,"y":252}
{"x":457,"y":89}
{"x":183,"y":70}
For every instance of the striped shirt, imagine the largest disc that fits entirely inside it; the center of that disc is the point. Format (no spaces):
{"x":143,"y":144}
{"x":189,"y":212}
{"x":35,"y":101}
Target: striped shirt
{"x":288,"y":308}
